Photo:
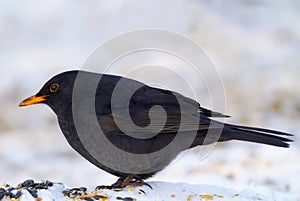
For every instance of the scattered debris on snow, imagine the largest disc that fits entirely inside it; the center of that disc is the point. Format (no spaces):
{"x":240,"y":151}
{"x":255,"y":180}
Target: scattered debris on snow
{"x":49,"y":191}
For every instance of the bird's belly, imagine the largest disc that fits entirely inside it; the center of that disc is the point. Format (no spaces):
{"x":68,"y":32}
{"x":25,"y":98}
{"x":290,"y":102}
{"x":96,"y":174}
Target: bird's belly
{"x":119,"y":154}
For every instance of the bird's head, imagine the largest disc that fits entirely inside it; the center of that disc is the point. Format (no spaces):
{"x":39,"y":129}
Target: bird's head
{"x":56,"y":93}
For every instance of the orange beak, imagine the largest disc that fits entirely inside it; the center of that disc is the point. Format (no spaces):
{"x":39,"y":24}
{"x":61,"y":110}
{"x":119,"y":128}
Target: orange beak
{"x":33,"y":100}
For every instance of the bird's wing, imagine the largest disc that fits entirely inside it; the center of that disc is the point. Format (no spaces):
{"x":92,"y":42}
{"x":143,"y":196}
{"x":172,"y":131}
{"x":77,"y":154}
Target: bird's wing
{"x":135,"y":110}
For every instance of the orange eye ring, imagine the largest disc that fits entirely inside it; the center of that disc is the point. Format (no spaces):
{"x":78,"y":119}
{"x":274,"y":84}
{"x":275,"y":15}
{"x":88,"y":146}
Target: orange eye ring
{"x":54,"y":87}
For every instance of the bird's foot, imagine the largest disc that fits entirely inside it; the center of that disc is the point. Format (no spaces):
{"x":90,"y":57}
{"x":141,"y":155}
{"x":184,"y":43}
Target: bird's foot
{"x":101,"y":187}
{"x":138,"y":182}
{"x":123,"y":182}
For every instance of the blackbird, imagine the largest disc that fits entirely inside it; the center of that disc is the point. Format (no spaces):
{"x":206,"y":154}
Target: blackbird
{"x":95,"y":111}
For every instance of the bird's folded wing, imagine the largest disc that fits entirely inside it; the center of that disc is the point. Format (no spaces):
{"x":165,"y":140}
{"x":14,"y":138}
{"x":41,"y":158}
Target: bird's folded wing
{"x":156,"y":122}
{"x":152,"y":110}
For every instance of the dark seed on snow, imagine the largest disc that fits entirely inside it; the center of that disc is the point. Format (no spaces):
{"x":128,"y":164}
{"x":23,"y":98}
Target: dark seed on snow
{"x":66,"y":193}
{"x":48,"y":183}
{"x":33,"y":192}
{"x":83,"y":189}
{"x":28,"y":183}
{"x":40,"y":186}
{"x":98,"y":197}
{"x":1,"y":196}
{"x":18,"y":194}
{"x":88,"y":199}
{"x":125,"y":199}
{"x":101,"y":187}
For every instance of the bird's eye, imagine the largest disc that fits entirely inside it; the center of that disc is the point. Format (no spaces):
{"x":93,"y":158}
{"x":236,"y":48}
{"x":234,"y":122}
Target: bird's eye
{"x":54,"y":88}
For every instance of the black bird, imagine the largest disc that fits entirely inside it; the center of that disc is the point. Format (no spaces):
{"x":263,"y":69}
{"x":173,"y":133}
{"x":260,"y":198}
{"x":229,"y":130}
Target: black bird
{"x":114,"y":123}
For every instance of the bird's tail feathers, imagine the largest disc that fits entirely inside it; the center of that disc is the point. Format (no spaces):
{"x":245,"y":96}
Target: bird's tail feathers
{"x":257,"y":135}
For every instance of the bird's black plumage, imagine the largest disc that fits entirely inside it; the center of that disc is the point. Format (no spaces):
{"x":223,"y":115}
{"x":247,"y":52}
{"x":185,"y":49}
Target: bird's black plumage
{"x":124,"y":106}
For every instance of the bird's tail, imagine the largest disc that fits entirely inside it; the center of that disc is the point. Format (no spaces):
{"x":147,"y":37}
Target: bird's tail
{"x":253,"y":134}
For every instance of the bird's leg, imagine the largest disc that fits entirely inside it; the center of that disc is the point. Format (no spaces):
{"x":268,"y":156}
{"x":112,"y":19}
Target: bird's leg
{"x":122,"y":182}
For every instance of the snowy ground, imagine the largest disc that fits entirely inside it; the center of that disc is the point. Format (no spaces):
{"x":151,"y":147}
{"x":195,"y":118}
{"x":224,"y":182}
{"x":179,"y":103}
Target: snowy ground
{"x":255,"y":46}
{"x":46,"y":190}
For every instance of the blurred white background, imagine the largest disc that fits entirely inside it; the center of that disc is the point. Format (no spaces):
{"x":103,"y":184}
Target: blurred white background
{"x":254,"y":44}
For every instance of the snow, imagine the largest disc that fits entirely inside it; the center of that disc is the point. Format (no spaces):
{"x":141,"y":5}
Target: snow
{"x":157,"y":191}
